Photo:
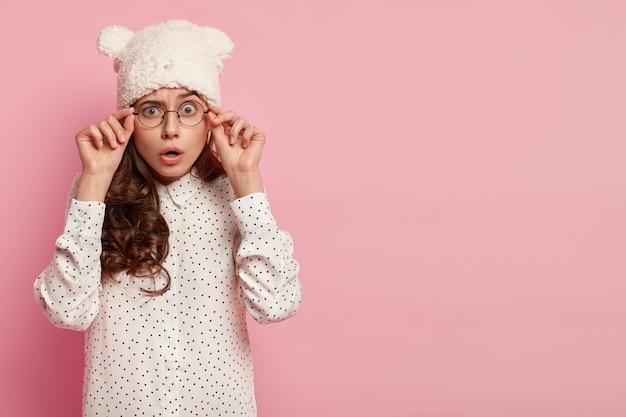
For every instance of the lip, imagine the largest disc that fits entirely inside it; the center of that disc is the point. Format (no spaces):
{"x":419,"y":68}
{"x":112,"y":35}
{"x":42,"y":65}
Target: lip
{"x":173,"y":158}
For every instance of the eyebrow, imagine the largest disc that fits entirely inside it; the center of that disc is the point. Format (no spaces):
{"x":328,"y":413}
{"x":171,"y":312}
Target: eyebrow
{"x":189,"y":94}
{"x":160,"y":102}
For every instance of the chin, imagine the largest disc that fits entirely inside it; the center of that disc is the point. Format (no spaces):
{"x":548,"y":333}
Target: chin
{"x":170,"y":176}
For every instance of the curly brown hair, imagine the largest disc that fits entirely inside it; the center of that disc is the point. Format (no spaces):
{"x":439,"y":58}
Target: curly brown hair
{"x":135,"y":233}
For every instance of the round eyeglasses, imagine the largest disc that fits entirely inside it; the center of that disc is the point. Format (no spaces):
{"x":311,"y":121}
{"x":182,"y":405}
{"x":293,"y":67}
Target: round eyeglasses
{"x":189,"y":114}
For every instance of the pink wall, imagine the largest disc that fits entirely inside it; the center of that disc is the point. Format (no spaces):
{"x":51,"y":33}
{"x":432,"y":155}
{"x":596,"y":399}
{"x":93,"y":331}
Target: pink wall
{"x":452,"y":173}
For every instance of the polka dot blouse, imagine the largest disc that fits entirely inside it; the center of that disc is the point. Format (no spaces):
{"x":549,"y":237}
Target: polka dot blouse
{"x":186,"y":352}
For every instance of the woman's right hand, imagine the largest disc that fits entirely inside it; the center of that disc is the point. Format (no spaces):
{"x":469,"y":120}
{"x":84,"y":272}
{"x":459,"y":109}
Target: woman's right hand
{"x":101,"y":147}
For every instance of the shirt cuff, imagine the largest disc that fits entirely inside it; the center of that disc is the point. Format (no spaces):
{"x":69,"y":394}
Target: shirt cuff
{"x":252,"y":211}
{"x":85,"y":218}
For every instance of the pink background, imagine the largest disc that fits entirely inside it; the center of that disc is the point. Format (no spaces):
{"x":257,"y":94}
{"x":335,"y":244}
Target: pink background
{"x":452,"y":173}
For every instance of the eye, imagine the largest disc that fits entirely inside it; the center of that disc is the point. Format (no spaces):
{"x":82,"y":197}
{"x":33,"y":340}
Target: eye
{"x":151,"y":112}
{"x":188,"y":108}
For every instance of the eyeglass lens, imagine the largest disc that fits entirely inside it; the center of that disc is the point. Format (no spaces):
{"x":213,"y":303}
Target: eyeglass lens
{"x":189,"y":113}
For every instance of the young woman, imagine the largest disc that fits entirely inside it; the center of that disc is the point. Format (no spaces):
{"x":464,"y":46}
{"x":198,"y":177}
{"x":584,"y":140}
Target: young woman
{"x":169,"y":238}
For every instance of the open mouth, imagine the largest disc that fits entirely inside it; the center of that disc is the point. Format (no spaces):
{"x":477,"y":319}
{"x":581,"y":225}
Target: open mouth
{"x":171,"y":156}
{"x":171,"y":153}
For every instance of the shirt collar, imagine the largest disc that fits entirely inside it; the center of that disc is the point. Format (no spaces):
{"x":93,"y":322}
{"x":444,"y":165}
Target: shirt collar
{"x":181,"y":190}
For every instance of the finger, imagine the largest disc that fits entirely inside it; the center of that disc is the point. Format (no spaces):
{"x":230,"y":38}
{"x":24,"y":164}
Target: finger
{"x":94,"y":136}
{"x":236,"y":129}
{"x":120,"y":115}
{"x":215,"y":109}
{"x":126,"y":118}
{"x":213,"y":121}
{"x":220,"y":138}
{"x":216,"y":128}
{"x":129,"y":126}
{"x":114,"y":128}
{"x":225,"y":117}
{"x":248,"y":134}
{"x":110,"y":128}
{"x":122,"y":123}
{"x":218,"y":120}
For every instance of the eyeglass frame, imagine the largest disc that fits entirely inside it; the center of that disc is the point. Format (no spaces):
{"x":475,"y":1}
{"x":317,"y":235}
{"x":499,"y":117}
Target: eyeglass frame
{"x":172,"y":111}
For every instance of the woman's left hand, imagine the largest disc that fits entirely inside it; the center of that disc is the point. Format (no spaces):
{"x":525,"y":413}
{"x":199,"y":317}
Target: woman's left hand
{"x":239,"y":146}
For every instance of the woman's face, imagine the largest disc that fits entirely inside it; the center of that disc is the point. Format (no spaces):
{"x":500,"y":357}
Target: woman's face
{"x":171,"y":147}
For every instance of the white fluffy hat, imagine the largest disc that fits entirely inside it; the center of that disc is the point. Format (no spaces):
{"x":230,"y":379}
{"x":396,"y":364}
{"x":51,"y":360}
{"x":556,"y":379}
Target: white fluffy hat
{"x":173,"y":54}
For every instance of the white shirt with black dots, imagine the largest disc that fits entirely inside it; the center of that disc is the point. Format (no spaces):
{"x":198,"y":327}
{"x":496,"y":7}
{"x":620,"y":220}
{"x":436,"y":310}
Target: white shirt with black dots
{"x":186,"y":352}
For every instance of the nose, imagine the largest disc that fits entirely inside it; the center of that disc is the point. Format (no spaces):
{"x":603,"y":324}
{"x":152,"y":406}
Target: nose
{"x":171,"y":126}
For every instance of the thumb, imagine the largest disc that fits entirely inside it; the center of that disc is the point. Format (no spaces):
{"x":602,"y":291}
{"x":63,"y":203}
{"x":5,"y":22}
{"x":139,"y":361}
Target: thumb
{"x":217,"y":132}
{"x":129,"y":126}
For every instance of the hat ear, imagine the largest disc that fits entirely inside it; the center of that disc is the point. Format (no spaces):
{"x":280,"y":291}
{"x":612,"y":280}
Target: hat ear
{"x":113,"y":39}
{"x":221,"y":44}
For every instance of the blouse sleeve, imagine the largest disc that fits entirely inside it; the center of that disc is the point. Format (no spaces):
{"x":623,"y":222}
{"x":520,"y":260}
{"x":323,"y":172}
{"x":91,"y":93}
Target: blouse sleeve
{"x":268,"y":273}
{"x":67,"y":290}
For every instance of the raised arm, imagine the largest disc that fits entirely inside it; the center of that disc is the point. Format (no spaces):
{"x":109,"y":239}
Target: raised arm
{"x":268,"y":273}
{"x":67,"y":290}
